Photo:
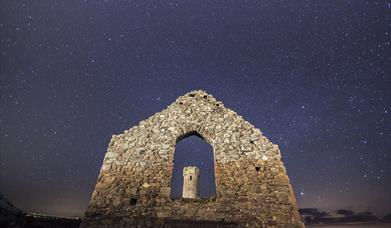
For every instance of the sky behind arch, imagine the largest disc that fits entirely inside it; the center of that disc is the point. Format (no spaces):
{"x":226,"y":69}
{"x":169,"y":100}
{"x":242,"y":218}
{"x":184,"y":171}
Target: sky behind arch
{"x":313,"y":76}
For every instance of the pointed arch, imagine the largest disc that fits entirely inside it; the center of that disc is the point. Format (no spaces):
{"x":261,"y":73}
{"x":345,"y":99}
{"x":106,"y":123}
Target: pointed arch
{"x":191,"y":149}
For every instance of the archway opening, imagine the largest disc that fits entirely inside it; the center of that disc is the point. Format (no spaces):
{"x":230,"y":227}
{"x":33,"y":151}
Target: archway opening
{"x":192,"y":150}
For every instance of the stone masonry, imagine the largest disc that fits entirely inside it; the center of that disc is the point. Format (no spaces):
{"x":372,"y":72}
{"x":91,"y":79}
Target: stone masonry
{"x":190,"y":182}
{"x":134,"y":184}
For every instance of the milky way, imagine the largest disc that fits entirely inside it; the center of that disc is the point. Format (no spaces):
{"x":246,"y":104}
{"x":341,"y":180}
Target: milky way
{"x":314,"y":76}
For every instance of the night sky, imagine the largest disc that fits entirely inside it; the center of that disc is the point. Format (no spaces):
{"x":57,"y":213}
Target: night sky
{"x":314,"y":76}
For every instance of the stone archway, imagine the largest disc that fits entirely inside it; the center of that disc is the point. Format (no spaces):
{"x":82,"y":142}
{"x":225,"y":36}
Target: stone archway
{"x":193,"y":150}
{"x":252,"y":186}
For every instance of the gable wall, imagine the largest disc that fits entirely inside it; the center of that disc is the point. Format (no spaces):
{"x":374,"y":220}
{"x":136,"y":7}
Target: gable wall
{"x":252,"y":187}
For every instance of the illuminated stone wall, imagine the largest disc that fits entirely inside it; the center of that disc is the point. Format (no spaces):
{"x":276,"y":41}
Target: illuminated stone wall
{"x":134,"y":184}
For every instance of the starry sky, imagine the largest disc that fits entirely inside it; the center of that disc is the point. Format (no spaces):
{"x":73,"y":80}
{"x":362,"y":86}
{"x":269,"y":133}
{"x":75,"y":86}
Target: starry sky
{"x":314,"y":76}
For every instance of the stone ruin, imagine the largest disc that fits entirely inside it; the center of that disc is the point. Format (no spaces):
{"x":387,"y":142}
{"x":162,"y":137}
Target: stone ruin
{"x":134,"y":184}
{"x":190,"y":182}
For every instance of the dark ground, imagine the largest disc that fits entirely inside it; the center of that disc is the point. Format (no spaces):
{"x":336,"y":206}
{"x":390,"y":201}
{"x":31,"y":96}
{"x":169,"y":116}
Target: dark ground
{"x":13,"y":217}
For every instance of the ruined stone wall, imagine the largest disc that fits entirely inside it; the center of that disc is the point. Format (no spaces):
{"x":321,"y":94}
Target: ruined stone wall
{"x":252,"y":186}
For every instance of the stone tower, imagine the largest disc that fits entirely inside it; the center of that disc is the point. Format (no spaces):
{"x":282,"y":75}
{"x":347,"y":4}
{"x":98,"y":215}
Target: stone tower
{"x":134,"y":185}
{"x":190,"y":182}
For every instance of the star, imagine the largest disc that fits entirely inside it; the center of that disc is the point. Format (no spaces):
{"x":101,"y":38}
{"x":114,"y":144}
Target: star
{"x":314,"y":85}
